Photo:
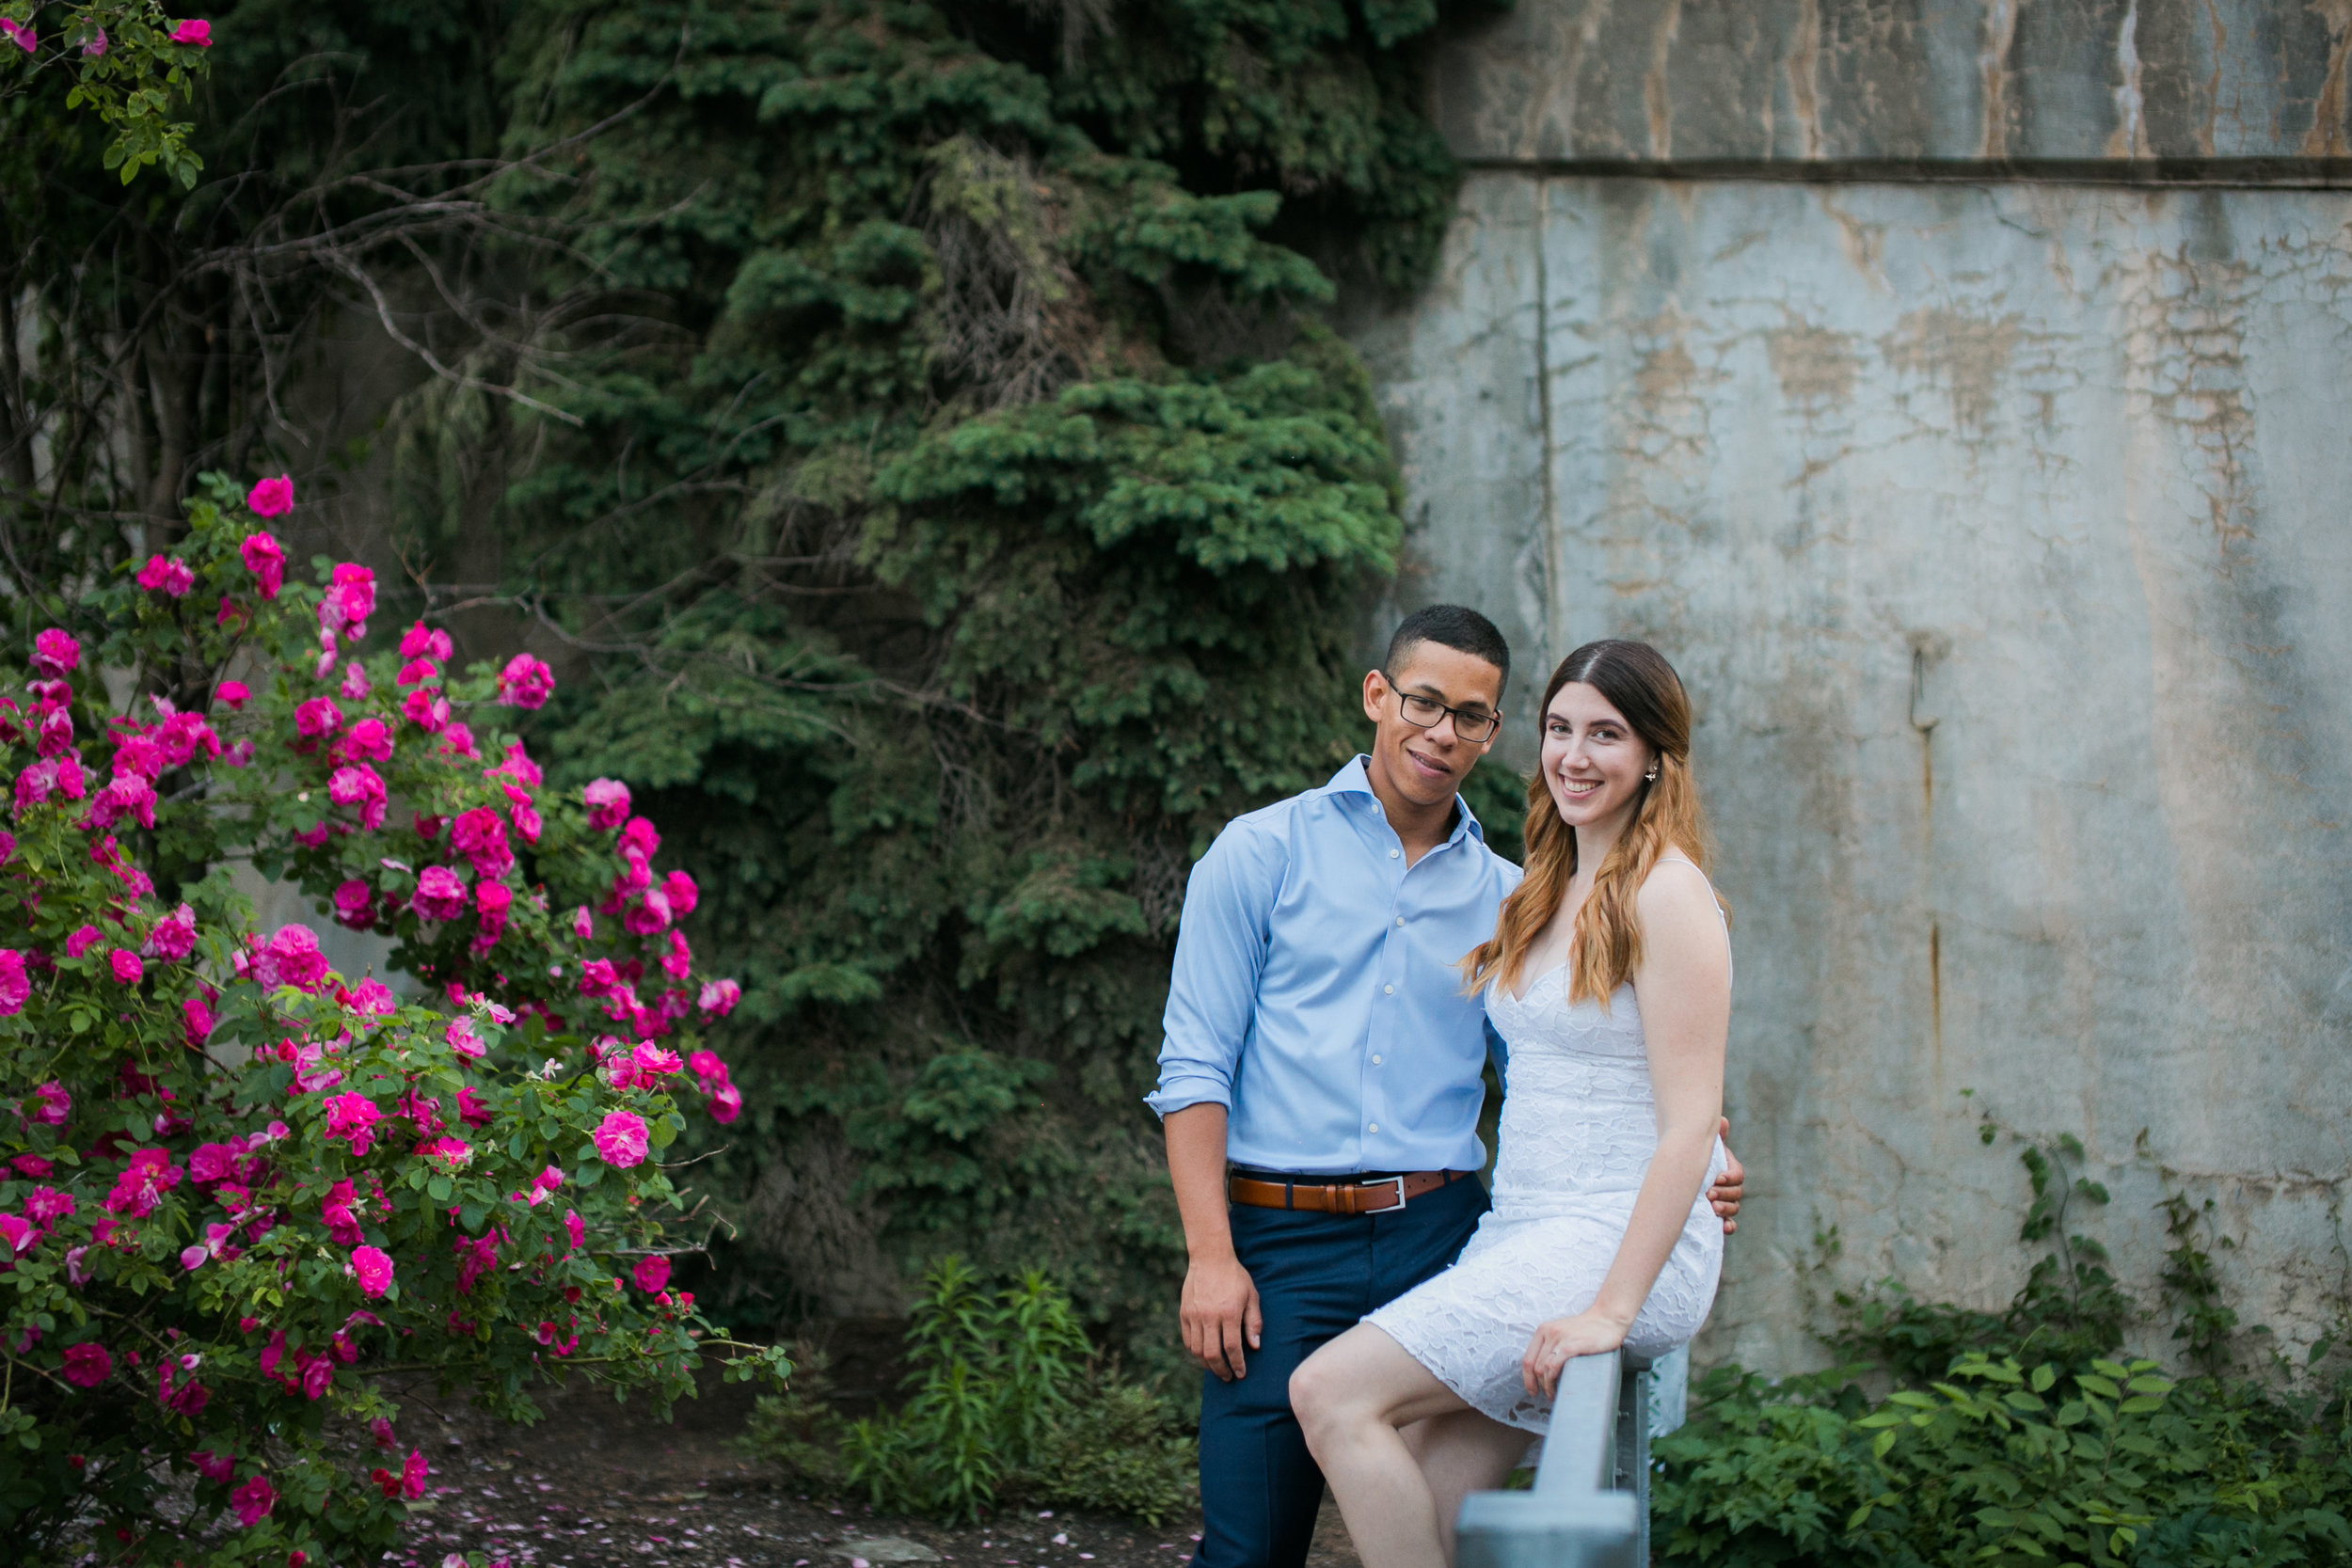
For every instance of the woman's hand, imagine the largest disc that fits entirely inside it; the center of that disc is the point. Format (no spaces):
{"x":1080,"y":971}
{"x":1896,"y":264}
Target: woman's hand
{"x":1555,"y":1342}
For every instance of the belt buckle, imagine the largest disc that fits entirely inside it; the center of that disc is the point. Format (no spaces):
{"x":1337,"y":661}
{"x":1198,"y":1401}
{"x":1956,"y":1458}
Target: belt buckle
{"x":1401,"y":1199}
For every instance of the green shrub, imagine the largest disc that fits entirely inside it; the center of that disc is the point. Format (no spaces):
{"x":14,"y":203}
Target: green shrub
{"x":2014,"y":1437}
{"x":1004,"y":1400}
{"x":1116,"y":1451}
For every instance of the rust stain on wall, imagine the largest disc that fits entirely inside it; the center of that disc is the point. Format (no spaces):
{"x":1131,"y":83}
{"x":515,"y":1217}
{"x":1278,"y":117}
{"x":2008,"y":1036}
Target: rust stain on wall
{"x":1967,"y":355}
{"x":1814,"y":365}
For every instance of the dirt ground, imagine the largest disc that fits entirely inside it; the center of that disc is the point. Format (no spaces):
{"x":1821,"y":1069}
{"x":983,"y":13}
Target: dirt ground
{"x":599,"y":1485}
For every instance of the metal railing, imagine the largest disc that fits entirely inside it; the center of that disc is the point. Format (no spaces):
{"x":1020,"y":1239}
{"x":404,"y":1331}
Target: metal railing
{"x":1590,"y":1504}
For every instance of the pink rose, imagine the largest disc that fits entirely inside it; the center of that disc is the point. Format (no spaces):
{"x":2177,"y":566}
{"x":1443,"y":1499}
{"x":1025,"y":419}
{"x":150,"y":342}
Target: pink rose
{"x":419,"y":642}
{"x":56,"y":653}
{"x":143,"y":1183}
{"x":218,"y":1468}
{"x":620,"y":1139}
{"x":291,"y":958}
{"x":251,"y":1502}
{"x":127,"y":966}
{"x":359,"y":786}
{"x":525,"y":682}
{"x":683,"y":895}
{"x":199,"y":33}
{"x":80,"y":942}
{"x":164,"y":575}
{"x":354,"y":905}
{"x":353,"y":1116}
{"x":233,"y":694}
{"x":318,"y":717}
{"x":451,"y":1154}
{"x":374,"y":1266}
{"x":356,"y":685}
{"x":461,"y":1038}
{"x":651,"y":1274}
{"x":679,"y":959}
{"x":88,"y":1366}
{"x":719,"y":997}
{"x":269,"y":497}
{"x":340,"y":1211}
{"x":640,"y":836}
{"x":575,"y":1229}
{"x":727,"y":1103}
{"x":16,"y":987}
{"x":349,"y":600}
{"x":265,"y":556}
{"x":51,"y":1104}
{"x":440,"y":893}
{"x":426,"y":708}
{"x":370,"y":740}
{"x":172,"y":938}
{"x":20,"y":35}
{"x":583,"y":924}
{"x":480,"y":835}
{"x":491,"y":902}
{"x":370,"y":999}
{"x":608,"y":803}
{"x":196,"y":1022}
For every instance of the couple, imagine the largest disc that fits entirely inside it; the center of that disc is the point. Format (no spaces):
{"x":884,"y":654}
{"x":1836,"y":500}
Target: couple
{"x":1347,"y":961}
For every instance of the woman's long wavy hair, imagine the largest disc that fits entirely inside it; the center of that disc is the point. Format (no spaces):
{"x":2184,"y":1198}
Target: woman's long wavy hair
{"x":1606,"y":947}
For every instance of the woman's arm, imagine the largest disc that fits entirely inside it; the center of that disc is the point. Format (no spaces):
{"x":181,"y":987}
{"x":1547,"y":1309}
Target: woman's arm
{"x":1684,"y":987}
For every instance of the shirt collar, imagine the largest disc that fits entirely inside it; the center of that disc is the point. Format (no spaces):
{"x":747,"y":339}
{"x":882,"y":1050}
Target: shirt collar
{"x":1354,"y":780}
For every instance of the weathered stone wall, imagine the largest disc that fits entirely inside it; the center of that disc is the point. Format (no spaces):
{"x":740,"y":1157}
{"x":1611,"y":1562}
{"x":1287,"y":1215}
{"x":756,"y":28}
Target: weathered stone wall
{"x":2001,"y":531}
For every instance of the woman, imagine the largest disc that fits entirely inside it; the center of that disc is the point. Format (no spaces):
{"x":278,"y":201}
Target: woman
{"x":1608,"y":976}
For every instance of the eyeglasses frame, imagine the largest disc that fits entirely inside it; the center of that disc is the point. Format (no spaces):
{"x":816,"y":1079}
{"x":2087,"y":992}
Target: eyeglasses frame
{"x":1494,"y":721}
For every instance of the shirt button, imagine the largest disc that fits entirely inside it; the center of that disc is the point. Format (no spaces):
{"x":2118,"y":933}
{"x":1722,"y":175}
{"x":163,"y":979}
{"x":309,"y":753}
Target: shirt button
{"x":1393,"y":854}
{"x":1375,"y":1061}
{"x":1375,"y":1127}
{"x":1387,"y":991}
{"x":1400,"y":920}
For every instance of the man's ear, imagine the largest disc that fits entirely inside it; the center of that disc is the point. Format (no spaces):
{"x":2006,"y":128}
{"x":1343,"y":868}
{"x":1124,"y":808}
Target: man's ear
{"x":1375,"y":695}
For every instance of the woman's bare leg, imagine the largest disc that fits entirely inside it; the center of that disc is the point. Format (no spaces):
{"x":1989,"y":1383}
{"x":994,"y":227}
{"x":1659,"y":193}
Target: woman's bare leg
{"x":1464,"y":1453}
{"x":1351,"y":1396}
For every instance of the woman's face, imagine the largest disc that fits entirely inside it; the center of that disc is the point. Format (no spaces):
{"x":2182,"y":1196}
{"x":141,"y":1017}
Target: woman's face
{"x":1594,"y":762}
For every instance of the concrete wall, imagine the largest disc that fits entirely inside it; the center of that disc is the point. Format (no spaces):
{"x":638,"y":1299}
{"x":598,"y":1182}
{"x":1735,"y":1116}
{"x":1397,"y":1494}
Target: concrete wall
{"x":2000,"y":530}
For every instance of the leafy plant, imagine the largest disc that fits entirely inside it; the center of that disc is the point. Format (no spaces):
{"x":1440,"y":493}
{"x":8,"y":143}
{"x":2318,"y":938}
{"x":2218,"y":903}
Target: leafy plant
{"x":2014,"y":1437}
{"x":239,"y":1187}
{"x":1004,"y":1399}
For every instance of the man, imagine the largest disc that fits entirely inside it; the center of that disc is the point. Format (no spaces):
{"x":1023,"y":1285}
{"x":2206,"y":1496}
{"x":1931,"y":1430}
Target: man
{"x":1320,"y":1084}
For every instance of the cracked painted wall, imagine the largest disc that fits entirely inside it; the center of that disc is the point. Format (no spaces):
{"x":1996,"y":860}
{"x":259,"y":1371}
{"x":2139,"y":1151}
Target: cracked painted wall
{"x":2001,"y":533}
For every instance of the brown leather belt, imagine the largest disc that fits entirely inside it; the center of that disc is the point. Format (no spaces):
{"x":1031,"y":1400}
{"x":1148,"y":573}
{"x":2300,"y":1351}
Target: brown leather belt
{"x":1360,"y":1194}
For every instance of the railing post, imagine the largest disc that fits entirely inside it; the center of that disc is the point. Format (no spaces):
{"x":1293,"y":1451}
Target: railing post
{"x":1589,"y":1507}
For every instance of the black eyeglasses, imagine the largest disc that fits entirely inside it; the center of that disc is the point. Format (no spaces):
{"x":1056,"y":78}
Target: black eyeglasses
{"x":1473,"y":725}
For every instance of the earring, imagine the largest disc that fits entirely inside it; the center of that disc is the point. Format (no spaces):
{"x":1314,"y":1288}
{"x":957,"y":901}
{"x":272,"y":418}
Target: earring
{"x":1651,"y":775}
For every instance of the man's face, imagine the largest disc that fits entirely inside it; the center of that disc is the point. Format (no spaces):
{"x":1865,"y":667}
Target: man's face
{"x":1426,"y":765}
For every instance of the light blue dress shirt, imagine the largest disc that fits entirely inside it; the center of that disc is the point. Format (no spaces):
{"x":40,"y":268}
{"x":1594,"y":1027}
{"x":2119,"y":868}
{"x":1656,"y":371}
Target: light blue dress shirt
{"x":1315,"y":995}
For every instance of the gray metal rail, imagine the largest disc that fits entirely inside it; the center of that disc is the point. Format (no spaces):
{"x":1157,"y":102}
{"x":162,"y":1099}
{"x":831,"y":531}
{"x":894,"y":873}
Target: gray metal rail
{"x":1590,"y":1504}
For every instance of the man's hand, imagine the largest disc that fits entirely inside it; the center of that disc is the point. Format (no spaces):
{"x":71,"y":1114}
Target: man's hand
{"x":1725,"y":1194}
{"x":1220,"y":1314}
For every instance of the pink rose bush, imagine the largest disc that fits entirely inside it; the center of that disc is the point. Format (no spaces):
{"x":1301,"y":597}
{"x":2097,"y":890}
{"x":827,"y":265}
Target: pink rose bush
{"x":251,"y":1180}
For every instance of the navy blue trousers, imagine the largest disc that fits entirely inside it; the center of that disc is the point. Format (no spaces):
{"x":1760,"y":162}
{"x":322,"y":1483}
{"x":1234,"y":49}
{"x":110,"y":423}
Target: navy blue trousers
{"x":1316,"y":1276}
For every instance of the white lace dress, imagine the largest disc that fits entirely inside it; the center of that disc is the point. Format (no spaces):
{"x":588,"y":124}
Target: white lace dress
{"x":1579,"y":1128}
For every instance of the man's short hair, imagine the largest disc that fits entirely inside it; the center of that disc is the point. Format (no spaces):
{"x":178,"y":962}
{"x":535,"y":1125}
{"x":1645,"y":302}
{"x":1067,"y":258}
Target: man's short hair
{"x":1449,"y":625}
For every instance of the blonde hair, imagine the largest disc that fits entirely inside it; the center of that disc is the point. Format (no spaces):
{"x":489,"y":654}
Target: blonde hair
{"x":1606,"y":947}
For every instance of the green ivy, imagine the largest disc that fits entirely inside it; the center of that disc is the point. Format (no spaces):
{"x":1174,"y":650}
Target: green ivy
{"x":963,"y":511}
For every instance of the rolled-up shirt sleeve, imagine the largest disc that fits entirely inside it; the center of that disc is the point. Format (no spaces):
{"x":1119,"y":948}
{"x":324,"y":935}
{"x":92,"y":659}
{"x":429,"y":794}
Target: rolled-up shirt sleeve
{"x":1222,"y":940}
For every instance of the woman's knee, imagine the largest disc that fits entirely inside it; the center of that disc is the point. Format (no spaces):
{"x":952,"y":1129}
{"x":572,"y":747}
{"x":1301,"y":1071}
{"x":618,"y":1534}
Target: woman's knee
{"x":1318,"y":1390}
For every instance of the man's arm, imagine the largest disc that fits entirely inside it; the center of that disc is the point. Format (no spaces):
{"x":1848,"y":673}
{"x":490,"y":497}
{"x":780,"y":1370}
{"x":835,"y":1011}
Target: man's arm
{"x":1219,"y":1309}
{"x":1221,"y":942}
